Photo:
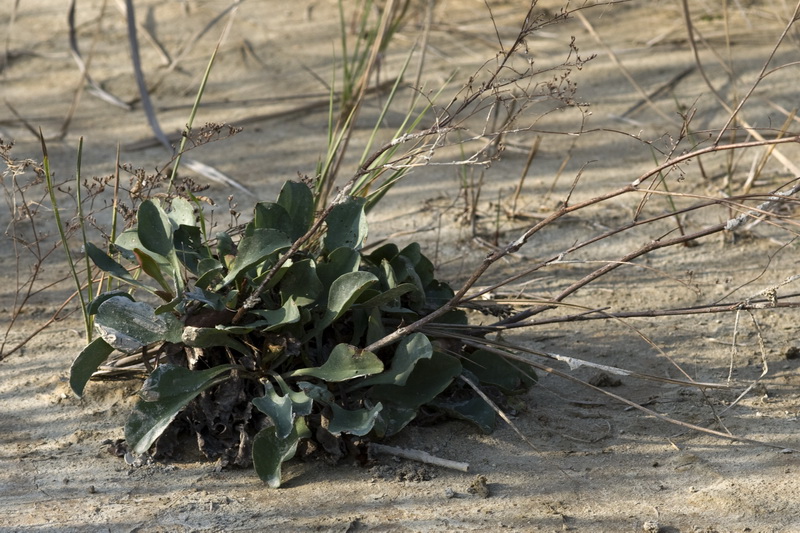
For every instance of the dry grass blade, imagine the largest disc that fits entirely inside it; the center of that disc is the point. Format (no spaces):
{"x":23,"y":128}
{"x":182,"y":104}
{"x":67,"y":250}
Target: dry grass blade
{"x":647,"y":411}
{"x":147,"y":105}
{"x":573,"y":362}
{"x":83,"y":67}
{"x":7,"y":45}
{"x":625,"y":72}
{"x":734,"y":114}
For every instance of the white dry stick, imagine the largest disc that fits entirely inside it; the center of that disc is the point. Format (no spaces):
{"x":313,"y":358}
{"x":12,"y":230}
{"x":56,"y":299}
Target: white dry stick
{"x":418,"y":455}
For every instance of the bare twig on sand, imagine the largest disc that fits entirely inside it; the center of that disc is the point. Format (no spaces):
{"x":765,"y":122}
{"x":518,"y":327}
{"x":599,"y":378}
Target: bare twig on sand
{"x":418,"y":455}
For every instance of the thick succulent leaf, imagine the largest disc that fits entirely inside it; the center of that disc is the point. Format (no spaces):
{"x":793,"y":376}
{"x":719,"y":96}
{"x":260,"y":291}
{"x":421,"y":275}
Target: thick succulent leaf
{"x":128,"y":326}
{"x":91,"y":357}
{"x":108,"y":265}
{"x":94,"y":305}
{"x":270,"y":451}
{"x":302,"y":402}
{"x":410,"y":351}
{"x":345,"y":362}
{"x":270,"y":215}
{"x":209,"y":271}
{"x":475,"y":410}
{"x":165,"y":393}
{"x":128,"y":242}
{"x":358,"y":422}
{"x":316,"y":392}
{"x":387,"y":252}
{"x":154,"y":229}
{"x":210,"y":337}
{"x":389,"y":296}
{"x":182,"y":213}
{"x":422,"y":265}
{"x":255,"y":249}
{"x":226,"y":248}
{"x":339,"y":262}
{"x":283,"y":410}
{"x":153,"y":269}
{"x":429,"y":378}
{"x":211,"y":299}
{"x":347,"y":225}
{"x":359,"y":320}
{"x":343,"y":294}
{"x":388,"y":277}
{"x":405,"y":273}
{"x":298,"y":201}
{"x":279,"y":410}
{"x":392,"y":419}
{"x":375,"y":328}
{"x":493,"y":369}
{"x":301,"y":283}
{"x":275,"y":319}
{"x":191,"y":252}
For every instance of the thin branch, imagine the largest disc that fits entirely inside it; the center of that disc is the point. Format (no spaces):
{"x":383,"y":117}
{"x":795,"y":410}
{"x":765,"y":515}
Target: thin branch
{"x":418,"y":455}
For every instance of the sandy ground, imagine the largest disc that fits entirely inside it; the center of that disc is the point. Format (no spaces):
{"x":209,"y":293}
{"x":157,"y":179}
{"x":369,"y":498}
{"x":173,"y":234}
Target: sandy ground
{"x":592,"y":463}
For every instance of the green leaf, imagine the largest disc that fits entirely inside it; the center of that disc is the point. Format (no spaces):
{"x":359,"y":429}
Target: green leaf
{"x":298,"y":201}
{"x":275,"y":319}
{"x":269,"y":215}
{"x":405,"y":273}
{"x":210,"y":337}
{"x":475,"y":410}
{"x":387,"y":275}
{"x":254,"y":250}
{"x":191,"y":252}
{"x":208,"y":270}
{"x":91,"y":357}
{"x":111,"y":267}
{"x":389,"y":296}
{"x":128,"y":326}
{"x":279,"y":409}
{"x":165,"y":393}
{"x":301,"y":284}
{"x":339,"y":262}
{"x":410,"y":351}
{"x":428,"y":379}
{"x":154,"y":229}
{"x":422,"y":265}
{"x":316,"y":392}
{"x":347,"y":225}
{"x":302,"y":402}
{"x":437,"y":294}
{"x":493,"y":369}
{"x":345,"y":362}
{"x":270,"y":451}
{"x":358,"y":422}
{"x":226,"y":248}
{"x":375,"y":328}
{"x":392,"y":419}
{"x":344,"y":292}
{"x":182,"y":213}
{"x":128,"y":241}
{"x":211,"y":299}
{"x":94,"y":305}
{"x":153,"y":269}
{"x":387,"y":252}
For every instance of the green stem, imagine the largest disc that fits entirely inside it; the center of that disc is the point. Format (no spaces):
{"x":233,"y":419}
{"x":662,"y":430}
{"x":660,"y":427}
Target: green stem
{"x":62,"y":233}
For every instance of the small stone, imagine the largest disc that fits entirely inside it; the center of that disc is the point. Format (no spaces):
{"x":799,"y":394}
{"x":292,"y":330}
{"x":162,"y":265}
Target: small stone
{"x":449,"y":493}
{"x":479,"y":487}
{"x":651,"y":526}
{"x":603,"y":379}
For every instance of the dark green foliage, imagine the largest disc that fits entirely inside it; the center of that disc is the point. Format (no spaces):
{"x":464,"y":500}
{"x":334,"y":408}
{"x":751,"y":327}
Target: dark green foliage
{"x":294,"y":368}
